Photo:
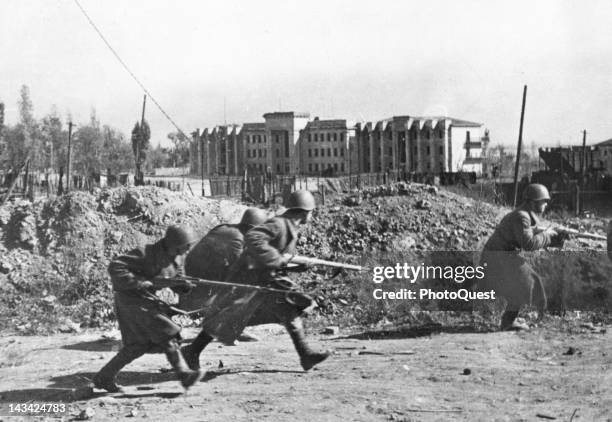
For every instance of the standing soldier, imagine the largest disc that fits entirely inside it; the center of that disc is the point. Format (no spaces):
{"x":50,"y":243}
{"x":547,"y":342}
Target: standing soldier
{"x":211,"y":259}
{"x":144,"y":319}
{"x":268,"y":249}
{"x":506,"y":271}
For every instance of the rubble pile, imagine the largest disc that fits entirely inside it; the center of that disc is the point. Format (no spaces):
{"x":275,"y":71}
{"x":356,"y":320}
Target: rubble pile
{"x":401,"y":216}
{"x":55,"y":252}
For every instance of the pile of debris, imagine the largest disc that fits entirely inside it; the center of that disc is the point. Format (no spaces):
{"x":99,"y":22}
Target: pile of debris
{"x":55,"y":252}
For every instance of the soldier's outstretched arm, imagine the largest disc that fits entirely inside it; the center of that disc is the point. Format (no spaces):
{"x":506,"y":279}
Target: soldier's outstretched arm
{"x":529,"y":239}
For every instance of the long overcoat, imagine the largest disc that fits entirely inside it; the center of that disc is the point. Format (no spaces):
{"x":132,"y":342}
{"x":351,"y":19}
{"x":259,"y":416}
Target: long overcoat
{"x":143,"y":319}
{"x":506,"y":271}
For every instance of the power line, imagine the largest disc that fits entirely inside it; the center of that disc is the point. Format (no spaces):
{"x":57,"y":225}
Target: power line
{"x":125,"y":66}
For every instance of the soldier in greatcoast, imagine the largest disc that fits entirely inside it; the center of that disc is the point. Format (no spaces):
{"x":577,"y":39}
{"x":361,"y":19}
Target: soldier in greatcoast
{"x":268,"y":249}
{"x":507,"y":272}
{"x":144,"y":320}
{"x":211,"y":259}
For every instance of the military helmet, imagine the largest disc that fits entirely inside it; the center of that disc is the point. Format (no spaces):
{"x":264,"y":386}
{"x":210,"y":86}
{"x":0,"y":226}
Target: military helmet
{"x":177,"y":237}
{"x":301,"y":200}
{"x":536,"y":192}
{"x":254,"y":217}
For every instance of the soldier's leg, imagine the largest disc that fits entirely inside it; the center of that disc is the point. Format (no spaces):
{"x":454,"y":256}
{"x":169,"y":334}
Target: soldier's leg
{"x":192,"y":351}
{"x":187,"y":376}
{"x":507,"y":319}
{"x":539,"y":296}
{"x":308,"y":357}
{"x":105,"y":379}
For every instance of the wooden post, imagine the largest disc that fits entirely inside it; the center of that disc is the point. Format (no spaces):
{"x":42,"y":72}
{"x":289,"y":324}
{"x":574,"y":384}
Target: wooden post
{"x":583,"y":161}
{"x":518,"y":148}
{"x":69,"y":158}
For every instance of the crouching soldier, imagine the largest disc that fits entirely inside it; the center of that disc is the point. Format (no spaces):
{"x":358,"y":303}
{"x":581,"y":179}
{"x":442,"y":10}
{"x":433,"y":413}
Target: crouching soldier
{"x":143,"y":319}
{"x":268,"y":249}
{"x":506,"y":271}
{"x":211,"y":259}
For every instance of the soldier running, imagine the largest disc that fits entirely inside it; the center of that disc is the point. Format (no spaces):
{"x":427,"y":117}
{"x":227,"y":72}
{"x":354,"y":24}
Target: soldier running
{"x":507,"y":272}
{"x":268,"y":249}
{"x":211,"y":259}
{"x":143,"y":319}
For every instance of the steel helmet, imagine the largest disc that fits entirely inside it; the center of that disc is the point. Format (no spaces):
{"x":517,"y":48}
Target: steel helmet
{"x":254,"y":217}
{"x":177,"y":237}
{"x":301,"y":200}
{"x":536,"y":192}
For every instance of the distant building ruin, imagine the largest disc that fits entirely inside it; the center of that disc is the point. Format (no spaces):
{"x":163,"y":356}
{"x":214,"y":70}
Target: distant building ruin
{"x":289,"y":143}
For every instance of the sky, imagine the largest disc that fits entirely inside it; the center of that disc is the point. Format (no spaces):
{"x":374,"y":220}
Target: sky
{"x":214,"y":62}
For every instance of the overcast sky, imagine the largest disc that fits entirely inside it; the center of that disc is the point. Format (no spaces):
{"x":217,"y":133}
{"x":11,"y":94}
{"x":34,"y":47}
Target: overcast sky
{"x":343,"y":59}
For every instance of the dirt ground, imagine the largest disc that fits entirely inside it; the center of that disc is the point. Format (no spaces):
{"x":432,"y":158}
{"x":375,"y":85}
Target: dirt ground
{"x":553,"y":372}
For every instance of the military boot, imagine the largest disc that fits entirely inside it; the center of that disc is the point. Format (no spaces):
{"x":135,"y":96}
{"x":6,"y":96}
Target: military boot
{"x":191,"y":352}
{"x":105,"y":379}
{"x":308,"y":357}
{"x":508,"y":323}
{"x":186,"y":376}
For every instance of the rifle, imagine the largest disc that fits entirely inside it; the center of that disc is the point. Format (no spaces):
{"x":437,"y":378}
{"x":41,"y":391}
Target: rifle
{"x":305,"y":260}
{"x":180,"y":281}
{"x":574,"y":233}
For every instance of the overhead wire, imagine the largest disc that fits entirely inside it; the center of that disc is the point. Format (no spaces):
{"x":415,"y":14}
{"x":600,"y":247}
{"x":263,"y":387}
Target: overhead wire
{"x":125,"y":66}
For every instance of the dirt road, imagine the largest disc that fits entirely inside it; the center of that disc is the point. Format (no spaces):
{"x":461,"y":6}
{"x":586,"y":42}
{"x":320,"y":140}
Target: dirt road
{"x":417,"y":375}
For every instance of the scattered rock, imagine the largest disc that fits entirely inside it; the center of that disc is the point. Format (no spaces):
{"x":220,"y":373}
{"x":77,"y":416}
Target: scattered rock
{"x":86,"y":414}
{"x":331,"y":330}
{"x":467,"y":371}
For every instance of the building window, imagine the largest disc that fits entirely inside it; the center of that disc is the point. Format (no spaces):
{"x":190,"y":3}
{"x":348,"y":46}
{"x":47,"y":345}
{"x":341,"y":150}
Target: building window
{"x":310,"y":153}
{"x":248,"y":153}
{"x":309,"y":167}
{"x":416,"y":151}
{"x":441,"y":150}
{"x":391,"y":151}
{"x":276,"y":138}
{"x":467,"y":136}
{"x":335,"y":137}
{"x":329,"y":152}
{"x":441,"y":166}
{"x":309,"y":137}
{"x":277,"y":152}
{"x":335,"y":152}
{"x":329,"y":137}
{"x":316,"y":152}
{"x":428,"y":166}
{"x":428,"y":150}
{"x":265,"y":153}
{"x":342,"y":137}
{"x":278,"y":168}
{"x":316,"y":167}
{"x":322,"y":152}
{"x":335,"y":166}
{"x":341,"y":152}
{"x":342,"y":167}
{"x":287,"y":168}
{"x":427,"y":135}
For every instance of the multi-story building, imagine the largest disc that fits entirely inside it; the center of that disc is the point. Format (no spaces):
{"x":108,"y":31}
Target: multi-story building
{"x":290,"y":143}
{"x":421,"y":145}
{"x":325,"y":147}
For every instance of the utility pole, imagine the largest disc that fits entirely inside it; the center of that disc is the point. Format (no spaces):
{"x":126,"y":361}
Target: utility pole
{"x":518,"y":148}
{"x":140,"y":174}
{"x":69,"y":158}
{"x":583,"y":160}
